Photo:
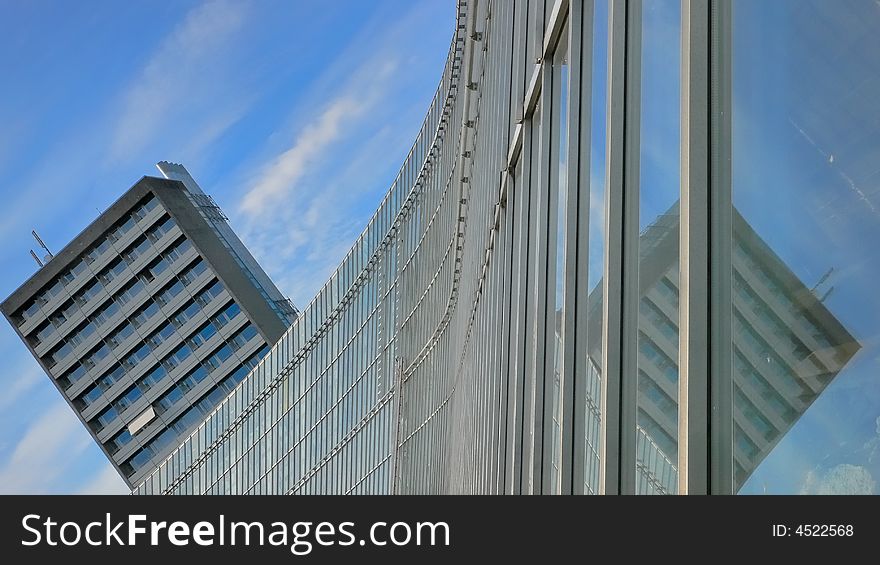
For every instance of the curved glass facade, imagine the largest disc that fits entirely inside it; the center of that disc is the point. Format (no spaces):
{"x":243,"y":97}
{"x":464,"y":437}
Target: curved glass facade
{"x":611,"y":263}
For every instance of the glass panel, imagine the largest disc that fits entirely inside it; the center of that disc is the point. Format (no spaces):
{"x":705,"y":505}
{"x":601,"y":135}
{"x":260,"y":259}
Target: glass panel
{"x":657,"y":415}
{"x":805,"y":153}
{"x":559,"y":161}
{"x":596,"y":220}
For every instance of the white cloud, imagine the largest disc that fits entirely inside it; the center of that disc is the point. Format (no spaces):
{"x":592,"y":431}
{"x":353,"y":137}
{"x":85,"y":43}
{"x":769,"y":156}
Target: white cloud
{"x":307,"y":200}
{"x":301,"y":213}
{"x":19,"y":382}
{"x":282,"y":176}
{"x":841,"y":479}
{"x":108,"y":481}
{"x":40,"y":456}
{"x":185,"y":69}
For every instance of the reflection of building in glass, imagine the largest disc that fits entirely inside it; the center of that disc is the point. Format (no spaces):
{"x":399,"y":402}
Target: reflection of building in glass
{"x":425,"y":364}
{"x":148,"y":319}
{"x":787,"y":348}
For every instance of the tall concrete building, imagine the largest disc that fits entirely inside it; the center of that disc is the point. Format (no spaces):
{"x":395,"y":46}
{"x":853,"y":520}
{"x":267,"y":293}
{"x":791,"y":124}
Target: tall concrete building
{"x":148,"y":318}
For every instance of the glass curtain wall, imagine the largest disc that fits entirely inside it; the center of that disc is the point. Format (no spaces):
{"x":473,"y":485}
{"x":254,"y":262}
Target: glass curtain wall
{"x":570,"y":239}
{"x":804,"y":83}
{"x":658,"y":259}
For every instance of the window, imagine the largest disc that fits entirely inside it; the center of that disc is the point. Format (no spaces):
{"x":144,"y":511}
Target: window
{"x":255,"y":359}
{"x":128,"y":398}
{"x":177,"y":357}
{"x":227,"y":314}
{"x":168,"y":294}
{"x":197,"y":268}
{"x":55,"y":289}
{"x":106,"y":313}
{"x":119,"y":336}
{"x":116,"y":267}
{"x":658,"y":255}
{"x":137,"y":356}
{"x":117,"y":442}
{"x":150,"y":204}
{"x":162,"y":441}
{"x":31,"y":310}
{"x":90,"y":395}
{"x":187,"y":421}
{"x":145,"y":313}
{"x":204,"y":333}
{"x":111,"y":377}
{"x":193,"y":378}
{"x":44,"y":331}
{"x":176,"y":250}
{"x":219,"y":356}
{"x":166,"y":225}
{"x":167,"y":401}
{"x":78,"y":269}
{"x":145,"y":208}
{"x":155,"y":233}
{"x":131,"y":291}
{"x":156,"y":267}
{"x":81,"y":334}
{"x":243,"y":336}
{"x":140,"y":459}
{"x":121,"y":229}
{"x":161,"y":335}
{"x":65,"y":312}
{"x":138,"y":248}
{"x":802,"y":173}
{"x":104,"y":419}
{"x":186,"y":314}
{"x":215,"y":289}
{"x":72,"y":375}
{"x":66,"y":278}
{"x":96,"y":251}
{"x":191,"y":273}
{"x":153,"y":378}
{"x":88,"y":293}
{"x":58,"y":354}
{"x":211,"y":400}
{"x":237,"y":376}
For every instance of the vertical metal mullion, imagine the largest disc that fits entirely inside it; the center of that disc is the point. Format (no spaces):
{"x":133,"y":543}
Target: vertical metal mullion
{"x":620,"y":286}
{"x":545,"y":260}
{"x":609,"y":473}
{"x":524,"y":198}
{"x":693,"y":378}
{"x":630,"y":249}
{"x":575,"y":352}
{"x":533,"y":169}
{"x":721,"y":476}
{"x":532,"y":393}
{"x":568,"y":334}
{"x":504,"y":251}
{"x":518,"y":197}
{"x":511,"y":424}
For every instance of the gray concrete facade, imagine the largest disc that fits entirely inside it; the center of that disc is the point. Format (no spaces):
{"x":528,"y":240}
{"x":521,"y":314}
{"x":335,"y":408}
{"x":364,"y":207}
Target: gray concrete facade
{"x":144,"y":322}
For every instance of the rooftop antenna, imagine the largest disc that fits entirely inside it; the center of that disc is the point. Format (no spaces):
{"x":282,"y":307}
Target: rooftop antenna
{"x":37,"y":259}
{"x":43,"y":245}
{"x":822,"y":279}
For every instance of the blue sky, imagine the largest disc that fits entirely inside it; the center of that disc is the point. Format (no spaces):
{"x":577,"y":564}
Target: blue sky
{"x":294,"y":115}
